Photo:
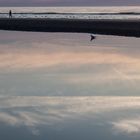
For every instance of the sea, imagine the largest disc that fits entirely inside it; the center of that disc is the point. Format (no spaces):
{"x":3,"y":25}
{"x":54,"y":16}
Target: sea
{"x":121,"y":12}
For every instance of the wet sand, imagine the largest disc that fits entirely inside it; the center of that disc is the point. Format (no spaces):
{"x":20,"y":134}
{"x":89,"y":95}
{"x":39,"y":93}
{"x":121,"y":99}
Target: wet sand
{"x":105,"y":27}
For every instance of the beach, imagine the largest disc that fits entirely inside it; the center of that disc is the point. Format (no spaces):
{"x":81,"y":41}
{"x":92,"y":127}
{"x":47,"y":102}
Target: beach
{"x":62,"y":86}
{"x":118,"y":27}
{"x":69,"y":73}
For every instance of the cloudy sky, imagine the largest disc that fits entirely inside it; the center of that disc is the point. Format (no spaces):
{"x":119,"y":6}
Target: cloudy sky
{"x":68,"y":2}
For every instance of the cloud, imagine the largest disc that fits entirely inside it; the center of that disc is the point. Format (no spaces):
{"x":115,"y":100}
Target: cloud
{"x":20,"y":119}
{"x":34,"y":112}
{"x":127,"y":126}
{"x":8,"y":119}
{"x":23,"y":60}
{"x":54,"y":64}
{"x":24,"y":53}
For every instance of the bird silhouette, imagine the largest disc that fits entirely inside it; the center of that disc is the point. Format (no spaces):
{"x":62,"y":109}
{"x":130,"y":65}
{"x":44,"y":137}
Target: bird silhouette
{"x":92,"y":37}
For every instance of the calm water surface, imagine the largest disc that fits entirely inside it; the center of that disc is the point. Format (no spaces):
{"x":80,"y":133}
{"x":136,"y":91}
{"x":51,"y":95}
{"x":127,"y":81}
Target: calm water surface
{"x":62,"y":86}
{"x":129,"y":12}
{"x":68,"y":64}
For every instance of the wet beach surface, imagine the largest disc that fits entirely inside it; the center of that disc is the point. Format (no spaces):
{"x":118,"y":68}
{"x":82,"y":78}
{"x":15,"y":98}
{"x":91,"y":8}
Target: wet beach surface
{"x":120,"y":27}
{"x":62,"y":86}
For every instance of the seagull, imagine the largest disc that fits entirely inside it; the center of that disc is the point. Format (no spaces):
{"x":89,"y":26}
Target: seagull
{"x":92,"y":37}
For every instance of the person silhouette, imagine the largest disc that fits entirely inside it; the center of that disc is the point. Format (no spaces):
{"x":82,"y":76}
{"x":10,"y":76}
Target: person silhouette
{"x":10,"y":14}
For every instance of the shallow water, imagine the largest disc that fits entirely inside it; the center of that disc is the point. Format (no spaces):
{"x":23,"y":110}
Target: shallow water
{"x":72,"y":12}
{"x":73,"y":16}
{"x":110,"y":9}
{"x":68,"y":64}
{"x":69,"y":118}
{"x":62,"y":86}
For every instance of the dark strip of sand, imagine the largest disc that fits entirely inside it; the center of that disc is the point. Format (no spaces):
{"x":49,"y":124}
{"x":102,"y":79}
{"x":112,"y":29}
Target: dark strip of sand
{"x":106,"y":27}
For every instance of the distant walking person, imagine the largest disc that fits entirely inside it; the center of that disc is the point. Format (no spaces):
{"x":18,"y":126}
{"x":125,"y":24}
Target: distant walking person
{"x":10,"y":14}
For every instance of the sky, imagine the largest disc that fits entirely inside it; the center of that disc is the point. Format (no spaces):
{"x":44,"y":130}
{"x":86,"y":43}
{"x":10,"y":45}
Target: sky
{"x":69,"y":3}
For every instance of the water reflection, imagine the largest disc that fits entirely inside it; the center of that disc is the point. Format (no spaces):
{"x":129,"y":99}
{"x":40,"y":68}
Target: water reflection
{"x":36,"y":66}
{"x":68,"y":64}
{"x":70,"y":117}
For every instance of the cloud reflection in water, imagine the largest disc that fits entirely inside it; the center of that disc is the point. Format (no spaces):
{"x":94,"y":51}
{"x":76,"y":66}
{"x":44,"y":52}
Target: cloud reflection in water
{"x":68,"y":64}
{"x":119,"y":115}
{"x":36,"y":66}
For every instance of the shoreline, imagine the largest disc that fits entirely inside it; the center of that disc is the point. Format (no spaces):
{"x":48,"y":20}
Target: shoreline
{"x":93,"y":26}
{"x":70,"y":13}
